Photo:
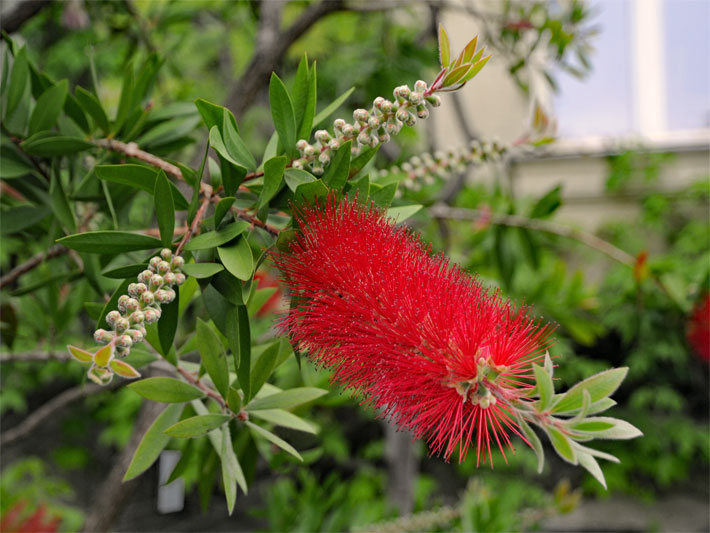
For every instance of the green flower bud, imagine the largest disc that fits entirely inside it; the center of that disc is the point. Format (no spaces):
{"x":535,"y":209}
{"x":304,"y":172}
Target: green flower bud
{"x":166,"y":254}
{"x":154,"y":262}
{"x":131,"y":305}
{"x":163,"y":267}
{"x":124,"y":341}
{"x":179,"y":278}
{"x":156,"y":281}
{"x":169,"y":278}
{"x":136,"y":289}
{"x":122,"y":325}
{"x":144,"y":277}
{"x":136,"y":317}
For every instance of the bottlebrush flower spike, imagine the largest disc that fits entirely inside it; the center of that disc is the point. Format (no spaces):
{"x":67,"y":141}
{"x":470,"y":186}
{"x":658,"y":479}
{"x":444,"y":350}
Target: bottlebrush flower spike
{"x":424,"y":342}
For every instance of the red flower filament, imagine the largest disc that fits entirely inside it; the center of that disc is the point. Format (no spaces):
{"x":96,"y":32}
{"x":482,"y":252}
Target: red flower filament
{"x":423,"y":342}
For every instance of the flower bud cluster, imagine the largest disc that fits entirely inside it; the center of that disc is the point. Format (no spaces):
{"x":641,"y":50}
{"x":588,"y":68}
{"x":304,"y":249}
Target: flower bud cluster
{"x":424,"y":169}
{"x":141,"y":305}
{"x":369,"y":128}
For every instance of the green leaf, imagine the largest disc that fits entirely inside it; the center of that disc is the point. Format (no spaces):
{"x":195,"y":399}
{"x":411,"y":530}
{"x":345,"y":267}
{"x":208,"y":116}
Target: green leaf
{"x":123,"y":369}
{"x":214,"y":114}
{"x":562,"y":444}
{"x":92,"y":106}
{"x":234,"y":400}
{"x":164,"y":208}
{"x":14,"y":165}
{"x":545,"y":388}
{"x":383,"y":197}
{"x":48,"y":107}
{"x":604,"y":427}
{"x":167,"y":390}
{"x":196,"y":426}
{"x":455,"y":75}
{"x":548,"y":204}
{"x":43,"y":145}
{"x":19,"y":79}
{"x":258,"y":430}
{"x":109,"y":242}
{"x":332,"y":107}
{"x":282,"y":113}
{"x":168,"y":323}
{"x":599,"y":386}
{"x":305,"y":124}
{"x":359,"y":162}
{"x":402,"y":212}
{"x":295,"y":177}
{"x":60,"y":204}
{"x":273,"y":173}
{"x":337,"y":173}
{"x":475,"y":69}
{"x":590,"y":464}
{"x":137,"y":176}
{"x":300,"y":89}
{"x":128,"y":271}
{"x":242,"y":350}
{"x":213,"y":357}
{"x":213,"y":239}
{"x":18,"y":218}
{"x":308,"y":192}
{"x":168,"y":131}
{"x":153,"y":442}
{"x":217,"y":142}
{"x":230,"y":466}
{"x":286,"y":399}
{"x":202,"y":270}
{"x":238,"y":259}
{"x":235,"y":145}
{"x":222,"y":208}
{"x":263,"y":367}
{"x":282,"y":418}
{"x":444,"y":47}
{"x":80,"y":355}
{"x":534,"y":442}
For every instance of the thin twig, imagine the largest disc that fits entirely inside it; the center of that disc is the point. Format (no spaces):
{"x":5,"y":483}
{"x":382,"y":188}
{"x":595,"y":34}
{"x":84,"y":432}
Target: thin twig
{"x":195,"y":224}
{"x":244,"y":215}
{"x":132,"y":150}
{"x":455,"y":213}
{"x":34,"y":356}
{"x":50,"y":408}
{"x":31,"y":263}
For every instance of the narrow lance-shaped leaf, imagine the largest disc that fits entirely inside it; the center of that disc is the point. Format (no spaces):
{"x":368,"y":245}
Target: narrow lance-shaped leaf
{"x":282,"y":113}
{"x":108,"y":242}
{"x":167,"y":390}
{"x":213,"y":356}
{"x":444,"y":47}
{"x":229,"y":470}
{"x":153,"y":442}
{"x":196,"y":426}
{"x":168,"y":323}
{"x":286,"y":399}
{"x":544,"y":387}
{"x":48,"y":107}
{"x":92,"y":106}
{"x":19,"y":78}
{"x":243,"y":354}
{"x":278,"y":441}
{"x":273,"y":175}
{"x":599,"y":386}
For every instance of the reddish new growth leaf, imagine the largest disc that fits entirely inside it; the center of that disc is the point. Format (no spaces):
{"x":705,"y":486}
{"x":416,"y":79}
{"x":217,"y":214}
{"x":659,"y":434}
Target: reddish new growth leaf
{"x":422,"y":341}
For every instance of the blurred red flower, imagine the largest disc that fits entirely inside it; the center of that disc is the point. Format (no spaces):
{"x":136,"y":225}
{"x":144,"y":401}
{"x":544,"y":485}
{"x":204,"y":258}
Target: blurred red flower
{"x":698,"y":332}
{"x":423,"y":341}
{"x":19,"y":520}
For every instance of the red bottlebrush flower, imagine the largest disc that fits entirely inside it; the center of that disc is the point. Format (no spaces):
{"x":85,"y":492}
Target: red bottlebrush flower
{"x":423,"y":341}
{"x":266,"y":280}
{"x":698,"y":333}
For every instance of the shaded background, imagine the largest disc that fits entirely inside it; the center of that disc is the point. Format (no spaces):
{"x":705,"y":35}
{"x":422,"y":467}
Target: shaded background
{"x":625,"y":87}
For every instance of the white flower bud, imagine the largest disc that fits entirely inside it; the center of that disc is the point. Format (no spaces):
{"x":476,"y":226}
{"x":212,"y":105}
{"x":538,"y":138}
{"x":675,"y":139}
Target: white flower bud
{"x":348,"y":130}
{"x":136,"y":289}
{"x":147,"y":298}
{"x":361,"y":115}
{"x":301,"y":144}
{"x":309,"y":151}
{"x":317,"y":171}
{"x":154,"y":262}
{"x":137,"y":317}
{"x":377,"y":102}
{"x":339,"y":124}
{"x":420,"y":86}
{"x":166,"y":254}
{"x":136,"y":336}
{"x":373,"y":123}
{"x":363,"y":138}
{"x":402,"y":115}
{"x":324,"y":158}
{"x":156,"y":281}
{"x":416,"y":98}
{"x":112,"y":317}
{"x":177,"y":262}
{"x":179,"y":278}
{"x":122,"y":302}
{"x":122,"y":325}
{"x":322,"y":136}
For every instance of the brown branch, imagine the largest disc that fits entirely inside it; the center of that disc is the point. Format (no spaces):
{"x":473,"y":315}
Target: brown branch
{"x":195,"y":224}
{"x":12,"y":20}
{"x":31,"y":263}
{"x":132,"y":150}
{"x":455,"y":213}
{"x":271,"y":47}
{"x":34,"y":356}
{"x":50,"y":409}
{"x":113,"y":493}
{"x":244,"y":215}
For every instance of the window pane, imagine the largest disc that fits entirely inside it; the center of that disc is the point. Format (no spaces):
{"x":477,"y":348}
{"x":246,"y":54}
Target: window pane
{"x":687,"y":63}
